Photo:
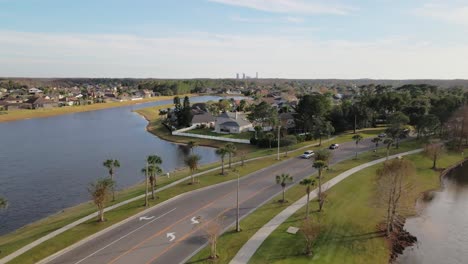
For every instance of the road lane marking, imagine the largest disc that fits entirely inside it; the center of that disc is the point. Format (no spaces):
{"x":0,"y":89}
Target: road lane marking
{"x":191,"y":213}
{"x":171,"y":236}
{"x":195,"y":219}
{"x":146,"y":218}
{"x":115,"y":241}
{"x":203,"y":224}
{"x":223,"y":212}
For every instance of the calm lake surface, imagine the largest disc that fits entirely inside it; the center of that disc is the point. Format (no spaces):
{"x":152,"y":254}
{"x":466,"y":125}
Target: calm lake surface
{"x":46,"y":164}
{"x":442,"y":228}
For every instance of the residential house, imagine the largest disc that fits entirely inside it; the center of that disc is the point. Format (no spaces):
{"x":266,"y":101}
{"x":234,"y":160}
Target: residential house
{"x":40,"y":102}
{"x":69,"y":101}
{"x":202,"y":118}
{"x":34,"y":91}
{"x":229,"y":122}
{"x":13,"y":100}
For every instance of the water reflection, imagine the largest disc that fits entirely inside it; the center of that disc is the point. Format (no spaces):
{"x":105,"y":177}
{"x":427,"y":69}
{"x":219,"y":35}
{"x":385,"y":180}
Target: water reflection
{"x":442,"y":227}
{"x":46,"y":164}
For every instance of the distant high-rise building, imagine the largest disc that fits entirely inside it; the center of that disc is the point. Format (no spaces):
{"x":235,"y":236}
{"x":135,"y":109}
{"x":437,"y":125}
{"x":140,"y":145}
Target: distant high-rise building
{"x":237,"y":76}
{"x":256,"y":75}
{"x":243,"y":75}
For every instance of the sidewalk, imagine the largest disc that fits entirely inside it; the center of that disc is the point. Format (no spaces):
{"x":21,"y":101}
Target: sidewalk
{"x":93,"y":215}
{"x":249,"y":248}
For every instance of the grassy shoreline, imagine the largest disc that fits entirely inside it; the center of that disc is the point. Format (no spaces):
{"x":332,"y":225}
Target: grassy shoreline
{"x":23,"y":114}
{"x":15,"y":240}
{"x":347,"y":210}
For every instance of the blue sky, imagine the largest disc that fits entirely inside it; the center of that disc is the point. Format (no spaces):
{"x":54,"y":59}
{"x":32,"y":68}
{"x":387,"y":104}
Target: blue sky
{"x":217,"y":38}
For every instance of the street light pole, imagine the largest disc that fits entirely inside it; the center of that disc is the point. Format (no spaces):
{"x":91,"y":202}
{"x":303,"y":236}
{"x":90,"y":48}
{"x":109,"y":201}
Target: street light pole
{"x":237,"y":215}
{"x":278,"y":155}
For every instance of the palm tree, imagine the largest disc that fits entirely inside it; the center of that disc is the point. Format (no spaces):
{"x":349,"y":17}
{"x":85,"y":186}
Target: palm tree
{"x":154,"y":161}
{"x":192,"y":145}
{"x":111,"y":164}
{"x":269,"y":136}
{"x":231,"y":149}
{"x":192,"y":162}
{"x":222,"y":152}
{"x":307,"y":182}
{"x":320,"y":165}
{"x":389,"y":143}
{"x":282,"y":180}
{"x":376,"y":141}
{"x":151,"y":172}
{"x":3,"y":203}
{"x":100,"y":192}
{"x":357,"y":138}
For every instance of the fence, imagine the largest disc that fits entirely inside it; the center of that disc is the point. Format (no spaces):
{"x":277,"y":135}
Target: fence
{"x":181,"y":133}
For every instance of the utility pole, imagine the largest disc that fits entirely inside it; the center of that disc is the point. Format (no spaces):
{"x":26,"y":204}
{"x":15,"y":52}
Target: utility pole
{"x":278,"y":156}
{"x":238,"y":229}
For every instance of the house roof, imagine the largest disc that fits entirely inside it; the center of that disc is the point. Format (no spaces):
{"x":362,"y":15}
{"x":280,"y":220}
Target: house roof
{"x":39,"y":100}
{"x":204,"y":117}
{"x":230,"y":123}
{"x":228,"y":117}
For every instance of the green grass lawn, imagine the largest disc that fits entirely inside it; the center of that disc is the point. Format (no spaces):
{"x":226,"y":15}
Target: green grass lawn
{"x":210,"y":132}
{"x":350,"y":218}
{"x":349,"y":221}
{"x":15,"y":240}
{"x":77,"y":233}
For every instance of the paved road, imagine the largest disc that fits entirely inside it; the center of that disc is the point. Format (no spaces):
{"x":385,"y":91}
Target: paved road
{"x":170,"y":234}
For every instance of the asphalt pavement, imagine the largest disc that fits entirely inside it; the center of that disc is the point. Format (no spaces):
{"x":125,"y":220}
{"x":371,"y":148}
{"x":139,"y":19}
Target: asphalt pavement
{"x":172,"y":232}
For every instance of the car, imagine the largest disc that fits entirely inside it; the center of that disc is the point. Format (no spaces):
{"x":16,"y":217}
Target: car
{"x":382,"y":135}
{"x":334,"y":146}
{"x":308,"y":154}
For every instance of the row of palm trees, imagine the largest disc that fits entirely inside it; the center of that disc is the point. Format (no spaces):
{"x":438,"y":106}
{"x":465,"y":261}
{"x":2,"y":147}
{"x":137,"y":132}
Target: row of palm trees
{"x":321,"y":161}
{"x":230,"y":150}
{"x":102,"y":188}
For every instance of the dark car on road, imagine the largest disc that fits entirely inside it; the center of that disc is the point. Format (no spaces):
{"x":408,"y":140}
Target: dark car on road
{"x":334,"y":146}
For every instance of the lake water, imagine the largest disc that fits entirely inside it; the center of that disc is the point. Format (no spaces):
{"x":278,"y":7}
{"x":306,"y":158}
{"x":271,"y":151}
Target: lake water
{"x":46,"y":164}
{"x":442,"y":227}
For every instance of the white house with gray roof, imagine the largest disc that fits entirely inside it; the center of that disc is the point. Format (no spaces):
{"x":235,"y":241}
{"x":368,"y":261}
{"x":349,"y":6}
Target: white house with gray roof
{"x":234,"y":123}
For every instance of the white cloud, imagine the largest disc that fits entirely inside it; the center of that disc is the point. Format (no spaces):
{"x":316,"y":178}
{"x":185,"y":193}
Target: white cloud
{"x":210,"y":55}
{"x":296,"y":20}
{"x":290,"y":6}
{"x":457,"y":14}
{"x":263,"y":20}
{"x":238,"y":18}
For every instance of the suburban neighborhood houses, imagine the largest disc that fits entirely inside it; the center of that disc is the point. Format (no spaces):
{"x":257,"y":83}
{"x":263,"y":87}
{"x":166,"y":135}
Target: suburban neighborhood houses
{"x":37,"y":98}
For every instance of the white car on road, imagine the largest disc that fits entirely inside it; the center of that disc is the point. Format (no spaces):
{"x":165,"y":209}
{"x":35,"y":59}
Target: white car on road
{"x":308,"y":154}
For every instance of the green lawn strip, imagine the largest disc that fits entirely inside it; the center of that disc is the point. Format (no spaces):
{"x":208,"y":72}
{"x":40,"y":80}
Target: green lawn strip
{"x":155,"y":127}
{"x":114,"y":216}
{"x":25,"y":235}
{"x":231,"y":242}
{"x":349,"y":221}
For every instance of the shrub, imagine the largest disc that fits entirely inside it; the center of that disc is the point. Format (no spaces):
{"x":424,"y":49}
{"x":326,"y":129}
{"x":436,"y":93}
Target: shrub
{"x":288,"y":141}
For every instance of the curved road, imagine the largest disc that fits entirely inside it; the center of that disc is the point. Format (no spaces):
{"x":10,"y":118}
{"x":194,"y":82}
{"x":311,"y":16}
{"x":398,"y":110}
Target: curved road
{"x":170,"y":233}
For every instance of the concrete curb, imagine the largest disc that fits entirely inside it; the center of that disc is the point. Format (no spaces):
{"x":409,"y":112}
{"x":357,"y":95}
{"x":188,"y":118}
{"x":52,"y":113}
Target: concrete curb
{"x":249,"y":248}
{"x":59,"y":231}
{"x":110,"y":228}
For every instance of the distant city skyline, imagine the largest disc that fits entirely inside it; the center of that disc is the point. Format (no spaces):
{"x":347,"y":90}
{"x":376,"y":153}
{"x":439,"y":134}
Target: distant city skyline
{"x":304,"y":39}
